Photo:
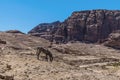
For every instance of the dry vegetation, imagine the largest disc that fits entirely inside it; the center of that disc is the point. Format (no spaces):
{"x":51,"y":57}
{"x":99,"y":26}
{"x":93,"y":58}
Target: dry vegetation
{"x":72,"y":61}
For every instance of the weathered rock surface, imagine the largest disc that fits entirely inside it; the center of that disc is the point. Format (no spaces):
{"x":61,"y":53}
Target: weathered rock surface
{"x":90,"y":25}
{"x":93,"y":25}
{"x":113,"y":40}
{"x":45,"y":28}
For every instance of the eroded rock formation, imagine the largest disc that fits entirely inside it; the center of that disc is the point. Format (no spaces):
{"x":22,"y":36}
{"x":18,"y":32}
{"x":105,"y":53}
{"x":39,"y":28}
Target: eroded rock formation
{"x":90,"y":25}
{"x":45,"y":28}
{"x":113,"y":40}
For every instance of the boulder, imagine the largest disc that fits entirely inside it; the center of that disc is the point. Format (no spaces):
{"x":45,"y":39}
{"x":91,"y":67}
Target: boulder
{"x":2,"y":42}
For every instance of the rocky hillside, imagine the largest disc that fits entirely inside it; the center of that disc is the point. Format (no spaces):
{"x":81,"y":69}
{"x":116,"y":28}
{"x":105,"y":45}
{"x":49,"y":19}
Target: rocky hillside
{"x":90,"y":25}
{"x":45,"y":29}
{"x":72,"y":61}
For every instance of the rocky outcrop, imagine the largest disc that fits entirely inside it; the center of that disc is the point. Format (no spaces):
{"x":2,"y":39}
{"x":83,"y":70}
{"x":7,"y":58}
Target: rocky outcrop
{"x":91,"y":25}
{"x":113,"y":40}
{"x":45,"y":28}
{"x":14,"y":31}
{"x":6,"y":77}
{"x":2,"y":42}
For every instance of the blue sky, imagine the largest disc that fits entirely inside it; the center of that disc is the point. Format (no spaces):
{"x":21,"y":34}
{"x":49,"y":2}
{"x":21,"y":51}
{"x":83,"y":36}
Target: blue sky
{"x":23,"y":15}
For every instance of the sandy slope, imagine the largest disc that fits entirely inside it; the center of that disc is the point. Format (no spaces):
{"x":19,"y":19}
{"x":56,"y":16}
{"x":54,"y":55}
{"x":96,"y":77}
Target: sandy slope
{"x":76,"y":61}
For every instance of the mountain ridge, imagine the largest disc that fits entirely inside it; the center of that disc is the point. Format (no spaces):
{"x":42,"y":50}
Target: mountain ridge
{"x":89,"y":25}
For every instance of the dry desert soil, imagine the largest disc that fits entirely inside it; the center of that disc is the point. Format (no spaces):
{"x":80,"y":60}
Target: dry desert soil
{"x":72,"y":61}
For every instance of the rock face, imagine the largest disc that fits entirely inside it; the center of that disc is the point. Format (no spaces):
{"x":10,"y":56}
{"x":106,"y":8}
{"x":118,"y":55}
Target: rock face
{"x":45,"y":30}
{"x":91,"y":25}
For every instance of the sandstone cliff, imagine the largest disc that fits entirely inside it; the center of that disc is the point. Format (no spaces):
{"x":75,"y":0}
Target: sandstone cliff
{"x":89,"y":25}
